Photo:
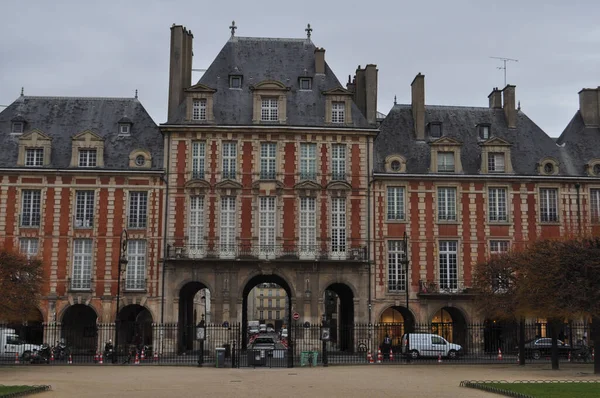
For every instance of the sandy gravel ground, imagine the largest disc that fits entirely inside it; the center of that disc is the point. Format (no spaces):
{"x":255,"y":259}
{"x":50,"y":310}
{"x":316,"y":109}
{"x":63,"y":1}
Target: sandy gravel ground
{"x":336,"y":381}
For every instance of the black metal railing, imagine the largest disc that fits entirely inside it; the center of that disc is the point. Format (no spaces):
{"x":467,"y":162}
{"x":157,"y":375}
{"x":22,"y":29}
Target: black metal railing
{"x":444,"y":286}
{"x":308,"y":175}
{"x":135,"y":284}
{"x":198,"y":174}
{"x":267,"y":174}
{"x":83,"y":284}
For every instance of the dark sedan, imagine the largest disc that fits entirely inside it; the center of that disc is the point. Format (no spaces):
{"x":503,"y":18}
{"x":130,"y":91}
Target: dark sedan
{"x":538,"y":348}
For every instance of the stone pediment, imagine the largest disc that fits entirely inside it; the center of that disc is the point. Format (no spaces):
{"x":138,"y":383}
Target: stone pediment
{"x":200,"y":88}
{"x":307,"y":188}
{"x":338,"y":91}
{"x":34,"y":136}
{"x":446,"y":141}
{"x":269,"y":85}
{"x":496,"y":141}
{"x":197,"y":186}
{"x":342,"y":187}
{"x":267,"y":186}
{"x":228,"y":187}
{"x":87,"y":136}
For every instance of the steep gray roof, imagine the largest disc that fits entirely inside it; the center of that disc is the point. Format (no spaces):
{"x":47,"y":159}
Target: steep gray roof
{"x":62,"y":118}
{"x":397,"y":136}
{"x":579,"y":145}
{"x":260,"y":59}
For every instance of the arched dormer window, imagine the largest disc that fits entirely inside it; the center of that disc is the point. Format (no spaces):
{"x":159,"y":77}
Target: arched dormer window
{"x":269,"y":102}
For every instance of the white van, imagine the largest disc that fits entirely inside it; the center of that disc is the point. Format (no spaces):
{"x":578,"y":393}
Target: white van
{"x":11,"y":344}
{"x":418,"y":345}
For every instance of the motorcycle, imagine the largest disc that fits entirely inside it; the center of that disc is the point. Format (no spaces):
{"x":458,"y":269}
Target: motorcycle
{"x":582,"y":355}
{"x":42,"y":355}
{"x":61,"y":351}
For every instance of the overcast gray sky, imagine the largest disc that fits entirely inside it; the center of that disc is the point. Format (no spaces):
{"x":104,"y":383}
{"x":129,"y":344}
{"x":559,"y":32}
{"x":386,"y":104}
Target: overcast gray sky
{"x":111,"y":48}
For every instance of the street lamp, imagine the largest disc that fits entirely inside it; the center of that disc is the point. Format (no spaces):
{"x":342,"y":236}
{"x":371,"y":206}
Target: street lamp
{"x":325,"y":334}
{"x":405,"y":261}
{"x":200,"y":336}
{"x":122,"y":262}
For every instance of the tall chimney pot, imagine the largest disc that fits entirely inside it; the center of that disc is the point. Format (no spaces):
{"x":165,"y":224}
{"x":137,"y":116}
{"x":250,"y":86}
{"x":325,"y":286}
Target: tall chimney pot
{"x":418,"y":105}
{"x":320,"y":61}
{"x":509,"y":105}
{"x":589,"y":106}
{"x":495,"y":98}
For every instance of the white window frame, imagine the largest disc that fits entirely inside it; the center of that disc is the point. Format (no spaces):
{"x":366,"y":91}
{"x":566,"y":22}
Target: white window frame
{"x":81,"y":276}
{"x":138,"y":210}
{"x":17,"y":128}
{"x":124,"y":129}
{"x":595,"y":205}
{"x":198,"y":159}
{"x":395,"y":204}
{"x":196,"y":244}
{"x":268,"y":160}
{"x":338,"y":229}
{"x":267,"y":226}
{"x":396,"y":267}
{"x":484,"y":131}
{"x":448,"y":265}
{"x":338,"y":112}
{"x":31,"y":207}
{"x":229,"y":160}
{"x":136,"y":265}
{"x":227,"y":229}
{"x":338,"y":162}
{"x":29,"y":246}
{"x":308,"y":161}
{"x":34,"y":157}
{"x":499,"y":246}
{"x":496,"y":162}
{"x":84,"y":209}
{"x":497,"y":204}
{"x":446,"y":204}
{"x":199,"y":109}
{"x":549,"y":205}
{"x":308,"y":227}
{"x":88,"y":157}
{"x":269,"y":109}
{"x":446,"y":162}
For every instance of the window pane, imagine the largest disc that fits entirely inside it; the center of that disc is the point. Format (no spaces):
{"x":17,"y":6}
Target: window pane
{"x":138,"y":208}
{"x":396,"y":267}
{"x":229,"y":160}
{"x":198,"y":155}
{"x":497,"y":205}
{"x":549,"y":204}
{"x":196,"y":224}
{"x":136,"y":266}
{"x":267,"y":224}
{"x":338,"y":162}
{"x":595,"y":204}
{"x":447,"y":204}
{"x":31,"y":208}
{"x":267,"y":160}
{"x":395,"y":204}
{"x":448,"y":265}
{"x":338,"y":225}
{"x":308,"y":161}
{"x":84,"y":209}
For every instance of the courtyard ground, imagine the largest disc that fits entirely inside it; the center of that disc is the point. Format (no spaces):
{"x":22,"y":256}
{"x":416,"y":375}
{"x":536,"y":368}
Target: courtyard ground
{"x":336,"y":381}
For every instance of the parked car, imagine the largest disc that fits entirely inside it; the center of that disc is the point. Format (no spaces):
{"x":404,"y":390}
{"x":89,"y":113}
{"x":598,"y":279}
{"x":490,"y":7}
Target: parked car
{"x":537,"y":348}
{"x":11,"y":345}
{"x":270,"y":329}
{"x":263,"y":343}
{"x":284,"y":333}
{"x":262,"y":328}
{"x":418,"y":345}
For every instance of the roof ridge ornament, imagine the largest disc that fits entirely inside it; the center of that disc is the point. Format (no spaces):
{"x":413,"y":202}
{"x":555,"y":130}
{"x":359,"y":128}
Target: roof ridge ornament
{"x":22,"y":91}
{"x":233,"y":28}
{"x":308,"y":31}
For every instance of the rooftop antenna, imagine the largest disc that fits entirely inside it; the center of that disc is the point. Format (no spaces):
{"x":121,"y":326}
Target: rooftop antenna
{"x":504,"y":61}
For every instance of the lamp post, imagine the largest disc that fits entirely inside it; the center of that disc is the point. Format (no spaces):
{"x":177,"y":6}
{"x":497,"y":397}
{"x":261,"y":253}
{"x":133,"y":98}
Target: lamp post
{"x":200,"y":336}
{"x":406,"y":261}
{"x":122,"y":262}
{"x":325,"y":333}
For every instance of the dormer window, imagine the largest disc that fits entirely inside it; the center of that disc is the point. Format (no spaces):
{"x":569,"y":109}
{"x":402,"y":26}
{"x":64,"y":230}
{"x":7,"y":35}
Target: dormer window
{"x":445,"y":162}
{"x":269,"y":110}
{"x":124,"y":129}
{"x":235,"y":82}
{"x":34,"y":157}
{"x":496,"y":162}
{"x":199,"y":109}
{"x":17,"y":128}
{"x":484,"y":131}
{"x":87,"y":158}
{"x":305,"y":83}
{"x":435,"y":129}
{"x":597,"y":169}
{"x":338,"y":112}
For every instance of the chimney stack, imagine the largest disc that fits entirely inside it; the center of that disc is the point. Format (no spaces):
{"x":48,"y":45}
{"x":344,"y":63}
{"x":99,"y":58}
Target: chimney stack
{"x":319,"y":61}
{"x":418,"y":105}
{"x":351,"y":85}
{"x":180,"y":69}
{"x":495,"y":98}
{"x":589,"y":106}
{"x":510,"y":110}
{"x":371,"y":74}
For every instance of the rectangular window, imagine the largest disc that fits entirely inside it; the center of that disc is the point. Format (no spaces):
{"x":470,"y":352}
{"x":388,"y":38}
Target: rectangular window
{"x":84,"y":209}
{"x":308,"y":161}
{"x":499,"y":280}
{"x":496,"y":162}
{"x":138,"y":209}
{"x":262,"y":302}
{"x":268,"y":110}
{"x":396,"y":270}
{"x":497,"y":205}
{"x":549,"y":204}
{"x":262,"y":315}
{"x":308,"y":226}
{"x":81,"y":278}
{"x":124,"y":128}
{"x":278,"y":314}
{"x":305,"y":83}
{"x":196,"y":225}
{"x":270,"y":293}
{"x":338,"y":110}
{"x":338,"y":162}
{"x":266,"y":236}
{"x":199,"y":109}
{"x":34,"y":157}
{"x":278,"y":302}
{"x":235,"y":82}
{"x":595,"y":205}
{"x":198,"y":156}
{"x":136,"y":265}
{"x":17,"y":128}
{"x":448,"y":265}
{"x":445,"y":162}
{"x":227,"y":233}
{"x":267,"y":160}
{"x":29,"y":246}
{"x":338,"y":226}
{"x":270,"y":315}
{"x":395,"y":203}
{"x":270,"y":303}
{"x":229,"y":160}
{"x":435,"y":130}
{"x":87,"y":158}
{"x":446,"y":204}
{"x":31,"y":207}
{"x":498,"y":246}
{"x":484,"y":131}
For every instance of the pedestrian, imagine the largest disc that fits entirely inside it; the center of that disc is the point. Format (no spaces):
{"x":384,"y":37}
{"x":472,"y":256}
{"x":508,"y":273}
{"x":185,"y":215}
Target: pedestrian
{"x":387,"y":345}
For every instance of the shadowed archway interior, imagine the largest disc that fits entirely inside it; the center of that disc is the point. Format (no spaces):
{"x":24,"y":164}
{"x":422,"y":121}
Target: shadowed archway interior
{"x":79,"y":329}
{"x":339,"y":313}
{"x":188,"y":318}
{"x":450,"y":323}
{"x":135,"y":325}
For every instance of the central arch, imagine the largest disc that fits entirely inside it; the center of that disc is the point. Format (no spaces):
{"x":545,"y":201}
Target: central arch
{"x":394,"y":322}
{"x":135,"y":325}
{"x":339,"y":313}
{"x":450,"y":323}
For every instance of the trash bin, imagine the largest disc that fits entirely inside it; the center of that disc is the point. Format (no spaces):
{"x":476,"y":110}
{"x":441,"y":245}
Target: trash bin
{"x":308,"y":358}
{"x":220,"y":356}
{"x":257,"y":358}
{"x":227,"y":350}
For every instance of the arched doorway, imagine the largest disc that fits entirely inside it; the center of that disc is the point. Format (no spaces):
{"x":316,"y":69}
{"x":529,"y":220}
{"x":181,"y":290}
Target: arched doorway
{"x":498,"y":334}
{"x":450,"y":323}
{"x":31,"y":329}
{"x":339,"y":314}
{"x":194,"y":305}
{"x":79,"y":329}
{"x":135,"y":325}
{"x":395,"y":321}
{"x":256,"y":307}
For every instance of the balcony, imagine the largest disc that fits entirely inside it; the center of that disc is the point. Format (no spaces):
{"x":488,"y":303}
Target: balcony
{"x":198,"y":175}
{"x":308,"y":176}
{"x":83,"y":222}
{"x":446,"y":287}
{"x":267,"y":174}
{"x":264,"y":252}
{"x":80,"y":284}
{"x":135,"y":284}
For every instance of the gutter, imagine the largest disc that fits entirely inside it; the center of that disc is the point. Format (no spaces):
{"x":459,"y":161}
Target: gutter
{"x":165,"y":229}
{"x":81,"y":171}
{"x":483,"y":177}
{"x":267,"y":127}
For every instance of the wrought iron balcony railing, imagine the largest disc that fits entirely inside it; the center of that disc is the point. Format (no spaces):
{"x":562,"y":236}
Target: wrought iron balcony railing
{"x":308,"y":175}
{"x":444,"y":286}
{"x":81,"y":284}
{"x":338,"y":176}
{"x":134,"y":284}
{"x":83,"y":222}
{"x":263,"y":252}
{"x":267,"y":174}
{"x":198,"y":174}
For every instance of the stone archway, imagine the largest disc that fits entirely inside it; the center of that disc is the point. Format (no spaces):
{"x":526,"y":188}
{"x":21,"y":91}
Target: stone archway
{"x":499,"y":334}
{"x":450,"y":323}
{"x":194,"y":305}
{"x":135,"y":325}
{"x":338,"y":303}
{"x":395,"y":321}
{"x":79,"y":329}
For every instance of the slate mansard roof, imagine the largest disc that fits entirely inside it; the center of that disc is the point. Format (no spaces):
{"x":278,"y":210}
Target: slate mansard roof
{"x":579,"y":144}
{"x":260,"y":59}
{"x":62,"y":118}
{"x":529,"y":143}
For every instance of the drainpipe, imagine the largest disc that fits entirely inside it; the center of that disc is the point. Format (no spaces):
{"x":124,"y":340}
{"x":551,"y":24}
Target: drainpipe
{"x":165,"y":229}
{"x":577,"y":186}
{"x":369,"y":181}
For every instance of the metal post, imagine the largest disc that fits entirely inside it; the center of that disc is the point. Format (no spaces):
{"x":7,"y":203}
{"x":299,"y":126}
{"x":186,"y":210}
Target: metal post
{"x":122,"y":261}
{"x":406,"y":261}
{"x":325,"y":359}
{"x":201,"y":335}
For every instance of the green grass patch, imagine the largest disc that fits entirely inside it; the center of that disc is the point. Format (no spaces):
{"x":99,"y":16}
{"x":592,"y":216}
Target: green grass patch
{"x":13,"y":389}
{"x":552,"y":390}
{"x":19,"y":391}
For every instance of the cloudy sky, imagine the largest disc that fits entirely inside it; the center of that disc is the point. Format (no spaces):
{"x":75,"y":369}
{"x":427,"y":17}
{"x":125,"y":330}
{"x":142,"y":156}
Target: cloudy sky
{"x":111,"y":48}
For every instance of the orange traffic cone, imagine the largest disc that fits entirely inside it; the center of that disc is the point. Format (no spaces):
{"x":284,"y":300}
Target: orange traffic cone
{"x":369,"y":357}
{"x":391,"y":355}
{"x":137,"y":359}
{"x":499,"y":354}
{"x":439,"y":358}
{"x":70,"y":359}
{"x":101,"y":359}
{"x":569,"y":358}
{"x":52,"y":356}
{"x":16,"y":358}
{"x":96,"y":356}
{"x":155,"y":356}
{"x":143,"y":356}
{"x":518,"y":358}
{"x":379,"y":356}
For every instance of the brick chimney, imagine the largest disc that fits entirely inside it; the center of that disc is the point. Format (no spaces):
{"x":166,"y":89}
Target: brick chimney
{"x":495,"y":98}
{"x":351,"y":85}
{"x":589,"y":106}
{"x":320,"y":61}
{"x":180,"y":69}
{"x":371,"y":74}
{"x":417,"y":104}
{"x":510,"y":109}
